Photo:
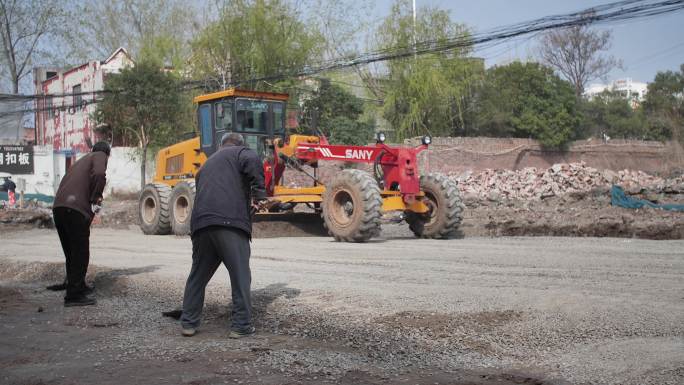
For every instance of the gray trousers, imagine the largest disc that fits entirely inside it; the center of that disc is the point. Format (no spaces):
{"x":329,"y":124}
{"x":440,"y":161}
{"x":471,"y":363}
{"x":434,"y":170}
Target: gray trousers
{"x":210,"y":247}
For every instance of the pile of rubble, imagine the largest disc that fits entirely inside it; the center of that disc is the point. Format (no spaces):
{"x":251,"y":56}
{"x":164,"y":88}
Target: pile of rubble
{"x":32,"y":217}
{"x":560,"y":179}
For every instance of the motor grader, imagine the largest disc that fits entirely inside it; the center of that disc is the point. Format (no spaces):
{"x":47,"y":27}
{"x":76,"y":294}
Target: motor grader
{"x":352,"y":204}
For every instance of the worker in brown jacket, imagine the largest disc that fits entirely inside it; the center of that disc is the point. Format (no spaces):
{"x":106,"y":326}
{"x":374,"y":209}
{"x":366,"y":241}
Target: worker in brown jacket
{"x":78,"y":199}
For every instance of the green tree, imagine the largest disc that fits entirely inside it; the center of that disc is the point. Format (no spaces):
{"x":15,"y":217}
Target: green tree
{"x":664,"y":104}
{"x":431,"y":92}
{"x":253,"y":39}
{"x":344,"y":25}
{"x":144,"y":104}
{"x":347,"y":131}
{"x":338,"y":114}
{"x":612,"y":114}
{"x":526,"y":100}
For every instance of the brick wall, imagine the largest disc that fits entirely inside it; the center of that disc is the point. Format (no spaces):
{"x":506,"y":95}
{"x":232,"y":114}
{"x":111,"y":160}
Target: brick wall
{"x":457,"y":155}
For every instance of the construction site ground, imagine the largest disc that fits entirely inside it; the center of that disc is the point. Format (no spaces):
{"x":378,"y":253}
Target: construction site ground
{"x":477,"y":310}
{"x":579,"y":214}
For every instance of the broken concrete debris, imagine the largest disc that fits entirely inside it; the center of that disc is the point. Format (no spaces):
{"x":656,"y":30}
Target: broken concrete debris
{"x":559,"y":179}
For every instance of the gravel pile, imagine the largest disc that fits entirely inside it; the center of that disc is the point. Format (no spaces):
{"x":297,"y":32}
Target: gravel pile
{"x":558,"y":180}
{"x":335,"y":342}
{"x":130,"y":306}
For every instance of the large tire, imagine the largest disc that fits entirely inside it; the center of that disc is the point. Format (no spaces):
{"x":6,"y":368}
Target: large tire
{"x":352,"y":207}
{"x":181,"y":204}
{"x":153,"y":209}
{"x":446,"y":208}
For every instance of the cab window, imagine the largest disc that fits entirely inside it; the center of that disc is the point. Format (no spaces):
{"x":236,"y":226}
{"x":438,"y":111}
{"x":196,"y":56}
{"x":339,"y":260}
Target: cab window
{"x":223,"y":111}
{"x":257,"y":143}
{"x":278,"y":118}
{"x":251,"y":116}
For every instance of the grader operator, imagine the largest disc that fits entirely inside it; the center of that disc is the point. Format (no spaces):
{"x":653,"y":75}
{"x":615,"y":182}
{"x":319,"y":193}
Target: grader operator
{"x":352,"y":203}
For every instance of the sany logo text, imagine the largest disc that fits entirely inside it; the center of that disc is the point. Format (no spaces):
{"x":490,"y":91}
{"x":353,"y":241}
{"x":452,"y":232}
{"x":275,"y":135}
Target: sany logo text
{"x":358,"y":154}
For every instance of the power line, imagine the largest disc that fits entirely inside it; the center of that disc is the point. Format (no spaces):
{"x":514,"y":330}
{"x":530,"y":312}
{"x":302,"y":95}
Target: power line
{"x":657,"y":54}
{"x":602,"y":14}
{"x":611,"y":12}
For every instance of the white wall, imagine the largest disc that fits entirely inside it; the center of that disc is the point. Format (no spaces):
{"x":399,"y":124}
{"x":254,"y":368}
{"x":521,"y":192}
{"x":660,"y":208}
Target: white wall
{"x":116,"y":62}
{"x":123,"y":171}
{"x":48,"y":169}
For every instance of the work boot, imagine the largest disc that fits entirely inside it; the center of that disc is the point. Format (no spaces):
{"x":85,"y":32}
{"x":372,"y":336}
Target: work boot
{"x":87,"y":290}
{"x":175,"y":314}
{"x":235,"y":334}
{"x":188,"y":332}
{"x":81,"y":300}
{"x":57,"y":286}
{"x":62,"y":286}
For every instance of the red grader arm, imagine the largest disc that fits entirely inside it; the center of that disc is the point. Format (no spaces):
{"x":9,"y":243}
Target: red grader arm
{"x":398,"y":165}
{"x":353,"y":202}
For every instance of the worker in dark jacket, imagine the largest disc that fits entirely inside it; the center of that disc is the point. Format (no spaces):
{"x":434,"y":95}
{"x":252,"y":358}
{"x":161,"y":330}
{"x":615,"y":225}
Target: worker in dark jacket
{"x":229,"y":186}
{"x":78,"y":199}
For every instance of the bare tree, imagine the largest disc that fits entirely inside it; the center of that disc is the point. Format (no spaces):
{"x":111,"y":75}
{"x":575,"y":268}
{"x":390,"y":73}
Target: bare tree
{"x":343,"y":24}
{"x":576,"y":52}
{"x":157,"y":28}
{"x":29,"y":30}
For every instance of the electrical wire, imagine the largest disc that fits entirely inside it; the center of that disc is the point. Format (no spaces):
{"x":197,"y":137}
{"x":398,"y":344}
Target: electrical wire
{"x":655,"y":55}
{"x":614,"y":12}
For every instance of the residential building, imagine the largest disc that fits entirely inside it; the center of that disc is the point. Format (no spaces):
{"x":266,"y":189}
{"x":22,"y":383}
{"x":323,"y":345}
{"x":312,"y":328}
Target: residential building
{"x":41,"y":74}
{"x":64,"y":118}
{"x":29,"y":134}
{"x":635,"y":92}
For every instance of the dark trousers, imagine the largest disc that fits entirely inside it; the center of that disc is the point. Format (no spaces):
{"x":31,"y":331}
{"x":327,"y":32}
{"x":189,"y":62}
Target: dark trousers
{"x":74,"y":234}
{"x":211,"y":247}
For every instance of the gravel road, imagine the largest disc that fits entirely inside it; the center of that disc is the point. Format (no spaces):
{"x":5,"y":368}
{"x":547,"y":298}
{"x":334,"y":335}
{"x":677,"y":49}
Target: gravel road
{"x":560,"y":310}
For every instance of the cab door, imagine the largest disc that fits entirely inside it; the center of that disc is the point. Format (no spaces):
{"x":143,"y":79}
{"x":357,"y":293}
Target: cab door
{"x":223,"y":118}
{"x":206,"y":129}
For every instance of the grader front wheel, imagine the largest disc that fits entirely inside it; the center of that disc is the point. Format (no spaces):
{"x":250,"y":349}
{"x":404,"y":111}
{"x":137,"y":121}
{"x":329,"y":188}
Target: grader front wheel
{"x":153,"y":209}
{"x":181,"y":203}
{"x":352,"y":207}
{"x":445,"y":208}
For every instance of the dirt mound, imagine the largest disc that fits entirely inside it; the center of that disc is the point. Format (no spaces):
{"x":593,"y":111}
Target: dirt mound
{"x":437,"y":324}
{"x":580,"y":214}
{"x":122,"y":214}
{"x":25,"y":218}
{"x":288,"y":225}
{"x":118,"y":214}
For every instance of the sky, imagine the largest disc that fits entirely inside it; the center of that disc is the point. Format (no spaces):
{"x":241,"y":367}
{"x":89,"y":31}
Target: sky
{"x":645,"y":46}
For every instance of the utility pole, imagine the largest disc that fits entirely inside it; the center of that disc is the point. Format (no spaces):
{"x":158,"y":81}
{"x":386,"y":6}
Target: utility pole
{"x":415,"y":53}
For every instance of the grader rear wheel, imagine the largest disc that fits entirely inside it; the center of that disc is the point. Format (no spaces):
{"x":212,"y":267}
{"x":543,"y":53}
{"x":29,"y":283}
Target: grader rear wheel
{"x":352,"y":207}
{"x":445,"y":215}
{"x":153,"y":209}
{"x":181,"y":203}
